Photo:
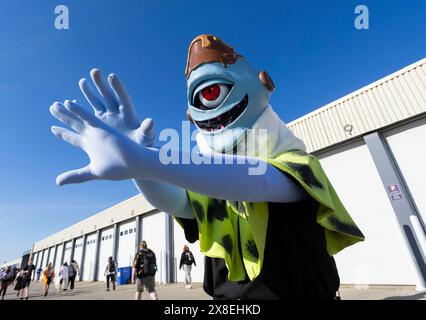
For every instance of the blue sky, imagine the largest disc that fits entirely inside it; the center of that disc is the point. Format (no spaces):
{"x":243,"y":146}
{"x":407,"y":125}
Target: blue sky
{"x":311,"y":49}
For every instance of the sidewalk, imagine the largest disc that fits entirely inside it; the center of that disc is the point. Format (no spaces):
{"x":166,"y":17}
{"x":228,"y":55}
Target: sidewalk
{"x":96,"y":291}
{"x":177,"y":291}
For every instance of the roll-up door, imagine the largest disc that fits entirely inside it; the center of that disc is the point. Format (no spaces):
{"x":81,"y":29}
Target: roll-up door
{"x":382,"y":258}
{"x":67,"y":253}
{"x":88,"y":267}
{"x":44,"y":262}
{"x":51,"y":255}
{"x":106,"y":251}
{"x":58,"y":258}
{"x":126,"y":244}
{"x":407,"y":144}
{"x":78,"y":250}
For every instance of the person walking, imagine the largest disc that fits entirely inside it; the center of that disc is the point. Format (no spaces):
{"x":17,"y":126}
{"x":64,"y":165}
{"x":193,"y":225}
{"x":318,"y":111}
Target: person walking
{"x":48,"y":276}
{"x":111,"y":273}
{"x":186,"y":261}
{"x":6,"y":278}
{"x":26,"y":279}
{"x":144,"y":270}
{"x":63,"y":277}
{"x":18,"y":281}
{"x":39,"y":270}
{"x":73,"y":271}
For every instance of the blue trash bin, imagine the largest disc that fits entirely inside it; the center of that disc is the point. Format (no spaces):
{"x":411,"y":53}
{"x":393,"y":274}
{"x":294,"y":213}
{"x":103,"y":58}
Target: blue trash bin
{"x":119,"y":276}
{"x":124,"y":275}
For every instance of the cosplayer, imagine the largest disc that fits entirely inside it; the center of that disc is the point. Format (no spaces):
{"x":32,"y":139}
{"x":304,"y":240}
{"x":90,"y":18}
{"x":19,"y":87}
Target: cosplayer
{"x":265,"y":236}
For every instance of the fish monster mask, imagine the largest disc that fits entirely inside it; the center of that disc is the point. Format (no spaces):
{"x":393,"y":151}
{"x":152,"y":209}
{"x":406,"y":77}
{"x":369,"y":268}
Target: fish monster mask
{"x":225,"y":94}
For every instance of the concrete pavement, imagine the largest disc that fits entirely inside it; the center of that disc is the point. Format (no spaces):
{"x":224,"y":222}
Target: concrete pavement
{"x":97,"y":291}
{"x":177,"y":291}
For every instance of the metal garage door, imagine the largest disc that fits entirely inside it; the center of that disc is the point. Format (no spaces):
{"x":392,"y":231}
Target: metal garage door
{"x":197,"y":273}
{"x":78,"y":250}
{"x":153,"y":232}
{"x":44,"y":262}
{"x":40,"y":259}
{"x":51,"y":255}
{"x":105,"y":251}
{"x":407,"y":144}
{"x":88,"y":267}
{"x":67,"y":253}
{"x":36,"y":258}
{"x":58,"y":261}
{"x":126,"y":244}
{"x":382,"y":258}
{"x":37,"y":261}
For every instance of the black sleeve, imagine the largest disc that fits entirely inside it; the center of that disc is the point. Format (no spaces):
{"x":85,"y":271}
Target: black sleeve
{"x":193,"y":259}
{"x":190,"y":228}
{"x":181,"y":261}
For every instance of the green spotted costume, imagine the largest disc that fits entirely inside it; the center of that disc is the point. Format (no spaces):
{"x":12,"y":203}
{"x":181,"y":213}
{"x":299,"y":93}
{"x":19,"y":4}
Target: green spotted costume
{"x":237,"y":231}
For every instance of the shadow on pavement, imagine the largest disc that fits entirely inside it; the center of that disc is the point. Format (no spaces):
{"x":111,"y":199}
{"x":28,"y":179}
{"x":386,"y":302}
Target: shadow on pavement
{"x":417,"y":296}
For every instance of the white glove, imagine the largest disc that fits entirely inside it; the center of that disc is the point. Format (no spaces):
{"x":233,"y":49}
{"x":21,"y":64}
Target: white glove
{"x":117,"y":108}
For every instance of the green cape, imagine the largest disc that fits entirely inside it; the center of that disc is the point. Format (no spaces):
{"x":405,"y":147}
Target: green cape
{"x":222,"y":224}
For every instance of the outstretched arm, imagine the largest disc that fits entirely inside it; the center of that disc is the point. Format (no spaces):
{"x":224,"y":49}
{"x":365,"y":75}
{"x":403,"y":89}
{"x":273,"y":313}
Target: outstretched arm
{"x":114,"y":156}
{"x":116,"y":109}
{"x":166,"y":197}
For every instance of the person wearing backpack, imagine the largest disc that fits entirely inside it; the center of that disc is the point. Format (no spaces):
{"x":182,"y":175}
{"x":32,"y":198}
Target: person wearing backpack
{"x":73,"y":270}
{"x":111,"y":273}
{"x":144,"y":269}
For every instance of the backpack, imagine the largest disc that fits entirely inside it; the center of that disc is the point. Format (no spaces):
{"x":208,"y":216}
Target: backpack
{"x":71,"y":270}
{"x":111,"y":267}
{"x":146,"y":264}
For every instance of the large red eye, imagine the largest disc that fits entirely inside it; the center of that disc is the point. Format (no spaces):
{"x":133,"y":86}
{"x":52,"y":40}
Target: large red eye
{"x":211,"y":93}
{"x":212,"y":96}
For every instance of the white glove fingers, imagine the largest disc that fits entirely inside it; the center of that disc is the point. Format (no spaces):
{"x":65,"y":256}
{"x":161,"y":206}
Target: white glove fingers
{"x":111,"y":103}
{"x":120,"y":91}
{"x":147,"y":125}
{"x":91,"y":97}
{"x":83,"y":114}
{"x":67,"y":135}
{"x":75,"y":176}
{"x":61,"y":113}
{"x":146,"y":132}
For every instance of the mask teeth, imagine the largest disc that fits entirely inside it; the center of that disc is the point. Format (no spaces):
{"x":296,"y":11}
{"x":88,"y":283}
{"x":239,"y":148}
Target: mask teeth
{"x":216,"y":123}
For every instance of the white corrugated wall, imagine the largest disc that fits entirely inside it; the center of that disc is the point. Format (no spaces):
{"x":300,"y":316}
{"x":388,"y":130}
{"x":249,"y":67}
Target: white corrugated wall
{"x":397,"y":97}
